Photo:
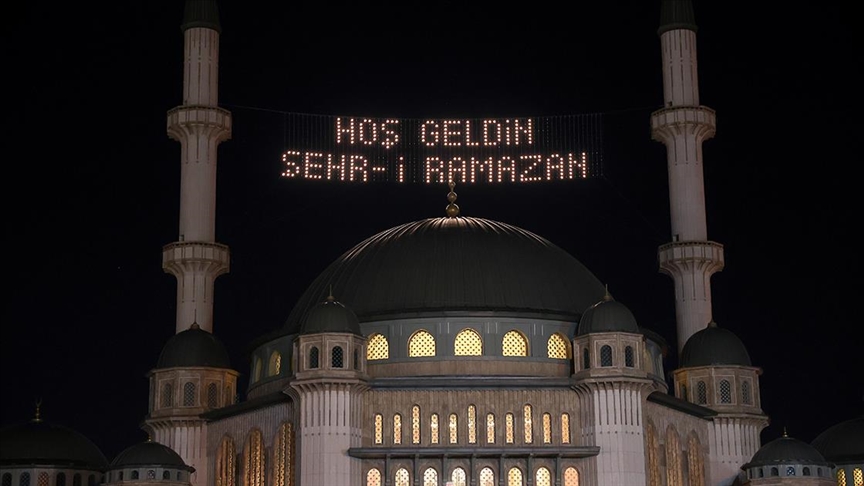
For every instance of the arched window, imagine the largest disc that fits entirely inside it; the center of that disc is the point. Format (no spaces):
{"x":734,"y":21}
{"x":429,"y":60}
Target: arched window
{"x":542,"y":478}
{"x":283,"y":456}
{"x":472,"y":424}
{"x":189,"y":394}
{"x":490,"y":428}
{"x":134,"y":475}
{"x":458,"y":477}
{"x":606,"y":355}
{"x":857,"y":477}
{"x":415,"y":424}
{"x":565,"y":428}
{"x":805,"y":471}
{"x":434,"y":431}
{"x":430,"y":477}
{"x":746,"y":394}
{"x":571,"y":477}
{"x":313,"y":358}
{"x":42,"y":479}
{"x":166,"y":475}
{"x":167,"y":395}
{"x":378,"y":348}
{"x":24,"y":479}
{"x":547,"y":428}
{"x":256,"y":370}
{"x":402,"y":477}
{"x":775,"y":472}
{"x":683,"y":389}
{"x":397,"y":429}
{"x":421,"y":344}
{"x":229,"y":395}
{"x":7,"y":479}
{"x":379,"y":428}
{"x":454,"y":438}
{"x":653,"y":449}
{"x":60,"y":479}
{"x":274,"y":366}
{"x":701,"y":393}
{"x":586,"y":359}
{"x":514,"y":344}
{"x":212,"y":395}
{"x":356,"y":360}
{"x":253,"y":459}
{"x":694,"y":462}
{"x":527,"y":422}
{"x":373,"y":477}
{"x":841,"y":477}
{"x":151,"y":474}
{"x":628,"y":357}
{"x":76,"y":479}
{"x":487,"y":477}
{"x":508,"y":426}
{"x":336,"y":360}
{"x":468,"y":343}
{"x":514,"y":477}
{"x":91,"y":480}
{"x":674,"y":471}
{"x":557,"y":347}
{"x":725,"y":391}
{"x":790,"y":470}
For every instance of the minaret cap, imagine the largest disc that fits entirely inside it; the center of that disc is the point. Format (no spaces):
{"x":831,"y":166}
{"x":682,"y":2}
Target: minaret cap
{"x":676,"y":14}
{"x":452,"y":208}
{"x":201,"y":13}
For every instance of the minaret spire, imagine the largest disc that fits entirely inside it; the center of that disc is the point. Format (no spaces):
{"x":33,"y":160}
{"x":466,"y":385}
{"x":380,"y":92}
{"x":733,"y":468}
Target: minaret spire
{"x":196,"y":259}
{"x":682,"y":125}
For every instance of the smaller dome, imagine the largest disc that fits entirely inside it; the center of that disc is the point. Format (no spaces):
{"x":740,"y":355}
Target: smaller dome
{"x":842,"y":443}
{"x":40,"y":443}
{"x":330,"y":316}
{"x":194,"y":347}
{"x":148,"y":454}
{"x":786,"y":450}
{"x":608,"y":315}
{"x":714,"y":346}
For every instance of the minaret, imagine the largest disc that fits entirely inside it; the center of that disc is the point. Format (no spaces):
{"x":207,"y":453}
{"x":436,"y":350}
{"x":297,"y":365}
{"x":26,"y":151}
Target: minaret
{"x":199,"y":125}
{"x":682,"y":125}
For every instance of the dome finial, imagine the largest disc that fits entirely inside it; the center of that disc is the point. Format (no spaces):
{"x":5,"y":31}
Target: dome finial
{"x":784,"y":432}
{"x":711,"y":323}
{"x":330,"y":297}
{"x":607,"y":296}
{"x":37,"y":418}
{"x":452,"y":208}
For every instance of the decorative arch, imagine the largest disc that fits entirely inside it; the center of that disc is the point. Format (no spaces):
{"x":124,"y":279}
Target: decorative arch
{"x":430,"y":477}
{"x":606,"y":355}
{"x":189,"y":394}
{"x":167,"y":399}
{"x":514,"y":343}
{"x":421,"y":344}
{"x":695,"y":461}
{"x":274,"y":365}
{"x":253,"y":459}
{"x":571,"y":477}
{"x":458,"y":477}
{"x":468,"y":343}
{"x":557,"y":347}
{"x":415,"y":424}
{"x":378,"y":348}
{"x":283,"y":456}
{"x":487,"y":477}
{"x":514,"y":477}
{"x":542,"y":477}
{"x":629,"y":357}
{"x":402,"y":478}
{"x":674,"y":472}
{"x":373,"y":477}
{"x":313,"y":358}
{"x":653,"y":449}
{"x":528,"y":424}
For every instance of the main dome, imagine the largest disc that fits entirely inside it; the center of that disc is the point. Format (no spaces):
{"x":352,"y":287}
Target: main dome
{"x":454,"y":266}
{"x":40,"y":443}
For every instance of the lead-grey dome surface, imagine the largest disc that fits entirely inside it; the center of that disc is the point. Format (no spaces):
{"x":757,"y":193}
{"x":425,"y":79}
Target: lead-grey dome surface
{"x":842,"y":443}
{"x":330,"y":316}
{"x":786,"y":450}
{"x":714,"y":346}
{"x":454,"y":266}
{"x":41,"y":443}
{"x":608,"y":315}
{"x":194,"y":347}
{"x":148,"y":454}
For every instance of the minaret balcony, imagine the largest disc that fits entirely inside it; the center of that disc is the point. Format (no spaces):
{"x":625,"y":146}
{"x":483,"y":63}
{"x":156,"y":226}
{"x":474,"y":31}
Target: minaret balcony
{"x":214,"y":257}
{"x":193,"y":118}
{"x":675,"y":120}
{"x":693,"y":254}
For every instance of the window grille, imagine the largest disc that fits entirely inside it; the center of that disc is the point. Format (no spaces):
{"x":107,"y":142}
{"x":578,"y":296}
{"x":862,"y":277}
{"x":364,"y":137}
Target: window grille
{"x":397,"y":429}
{"x":556,"y":347}
{"x":701,"y":393}
{"x":378,"y":348}
{"x":472,"y":424}
{"x":189,"y":394}
{"x":24,"y":479}
{"x":487,"y":477}
{"x":421,"y":344}
{"x":746,"y":394}
{"x":458,"y":477}
{"x":490,"y":428}
{"x":606,"y":355}
{"x":313,"y":358}
{"x":167,"y":395}
{"x":790,"y":470}
{"x":275,"y":365}
{"x":283,"y":456}
{"x":571,"y":477}
{"x":7,"y":479}
{"x":454,"y":438}
{"x":356,"y":360}
{"x":254,"y":459}
{"x":527,"y":423}
{"x":336,"y":357}
{"x":565,"y":428}
{"x":402,"y":477}
{"x":857,"y":477}
{"x":43,"y":479}
{"x":586,"y":359}
{"x":514,"y":477}
{"x":725,"y":391}
{"x":628,"y":357}
{"x":841,"y":477}
{"x":430,"y":477}
{"x":151,"y":474}
{"x":543,"y":478}
{"x":514,"y":344}
{"x":468,"y":343}
{"x":373,"y":477}
{"x":379,"y":426}
{"x":508,"y":421}
{"x":415,"y":424}
{"x":212,"y":395}
{"x":433,"y":425}
{"x":547,"y":428}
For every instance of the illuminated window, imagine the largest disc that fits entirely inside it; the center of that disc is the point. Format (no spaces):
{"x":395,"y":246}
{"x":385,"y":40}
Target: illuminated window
{"x":547,"y":428}
{"x":725,"y":391}
{"x":43,"y":479}
{"x":857,"y":477}
{"x":433,"y":424}
{"x":701,"y":393}
{"x":402,"y":477}
{"x":527,"y":423}
{"x":212,"y":395}
{"x":514,"y":477}
{"x":487,"y":477}
{"x":453,"y":437}
{"x":472,"y":424}
{"x":468,"y":343}
{"x":565,"y":428}
{"x":674,"y":473}
{"x":543,"y":478}
{"x":397,"y":429}
{"x":628,"y":357}
{"x":606,"y":355}
{"x":514,"y":344}
{"x":373,"y":477}
{"x":379,"y":426}
{"x":458,"y":477}
{"x":274,"y":366}
{"x":313,"y":358}
{"x":415,"y":424}
{"x":571,"y":477}
{"x":256,"y":370}
{"x":694,"y":462}
{"x":226,"y":469}
{"x":378,"y":348}
{"x":430,"y":477}
{"x":508,"y":425}
{"x":421,"y":344}
{"x":167,"y":395}
{"x":253,"y":463}
{"x":652,"y":451}
{"x":746,"y":394}
{"x":556,"y":347}
{"x":586,"y":359}
{"x":336,"y":357}
{"x":841,"y":478}
{"x":189,"y":394}
{"x":490,"y":428}
{"x":283,"y":456}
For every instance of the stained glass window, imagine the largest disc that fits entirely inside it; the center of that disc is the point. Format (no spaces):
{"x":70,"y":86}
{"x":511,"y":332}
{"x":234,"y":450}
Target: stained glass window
{"x":514,"y":344}
{"x":674,"y":473}
{"x":254,"y":459}
{"x":468,"y":343}
{"x":226,"y":470}
{"x":421,"y":344}
{"x":694,"y":462}
{"x":275,"y":365}
{"x":857,"y":477}
{"x":556,"y":347}
{"x":283,"y":456}
{"x":378,"y":348}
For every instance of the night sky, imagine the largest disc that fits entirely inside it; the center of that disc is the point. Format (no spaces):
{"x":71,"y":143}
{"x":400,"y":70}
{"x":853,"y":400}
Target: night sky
{"x":91,"y":188}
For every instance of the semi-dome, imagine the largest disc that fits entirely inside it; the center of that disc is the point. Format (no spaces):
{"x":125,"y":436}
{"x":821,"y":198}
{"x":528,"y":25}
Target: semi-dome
{"x":148,"y":453}
{"x":194,"y":347}
{"x":842,"y":443}
{"x":714,"y":346}
{"x":786,"y":450}
{"x":454,"y":266}
{"x":40,"y":443}
{"x":608,"y":315}
{"x":330,"y":316}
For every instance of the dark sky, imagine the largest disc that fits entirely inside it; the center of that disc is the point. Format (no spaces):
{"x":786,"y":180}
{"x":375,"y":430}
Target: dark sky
{"x":92,"y":181}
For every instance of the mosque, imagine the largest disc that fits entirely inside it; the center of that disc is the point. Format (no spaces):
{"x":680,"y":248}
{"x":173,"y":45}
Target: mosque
{"x":496,"y":359}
